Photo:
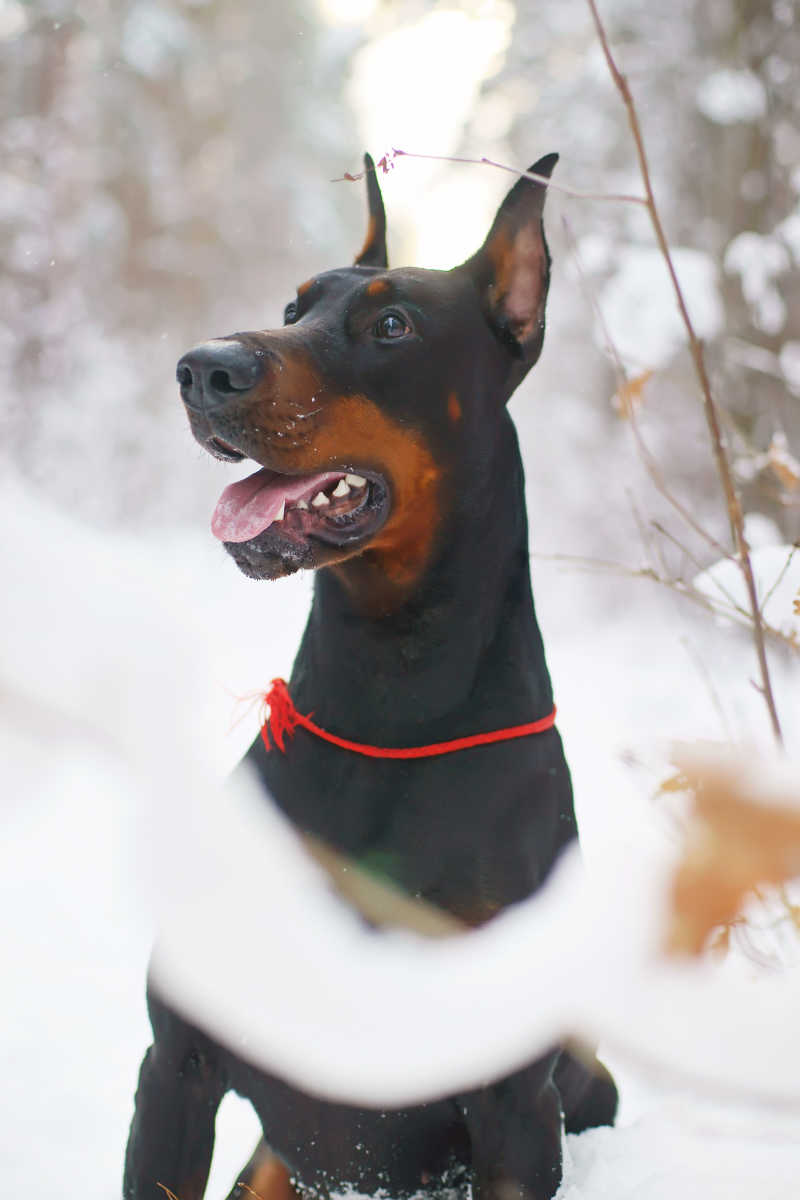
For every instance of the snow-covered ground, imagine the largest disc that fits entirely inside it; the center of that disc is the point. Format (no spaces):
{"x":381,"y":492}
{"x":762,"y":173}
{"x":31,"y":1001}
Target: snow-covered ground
{"x":108,"y":637}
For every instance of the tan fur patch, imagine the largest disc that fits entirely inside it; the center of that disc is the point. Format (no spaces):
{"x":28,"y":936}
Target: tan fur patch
{"x":321,"y":432}
{"x":356,"y":431}
{"x":372,"y":229}
{"x":519,"y":269}
{"x":270,"y":1180}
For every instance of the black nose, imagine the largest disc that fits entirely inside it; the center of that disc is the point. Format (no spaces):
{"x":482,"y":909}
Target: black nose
{"x":213,"y":372}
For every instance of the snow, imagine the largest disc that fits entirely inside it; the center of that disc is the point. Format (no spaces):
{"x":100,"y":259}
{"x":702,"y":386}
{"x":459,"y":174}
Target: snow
{"x":789,"y":359}
{"x":789,"y":230}
{"x":758,"y":260}
{"x":777,"y":574}
{"x":728,"y":96}
{"x":693,"y":1153}
{"x":152,"y":36}
{"x":640,"y":311}
{"x":13,"y":19}
{"x":119,"y":703}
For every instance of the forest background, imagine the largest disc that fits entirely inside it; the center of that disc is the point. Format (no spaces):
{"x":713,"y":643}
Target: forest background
{"x":166,"y":175}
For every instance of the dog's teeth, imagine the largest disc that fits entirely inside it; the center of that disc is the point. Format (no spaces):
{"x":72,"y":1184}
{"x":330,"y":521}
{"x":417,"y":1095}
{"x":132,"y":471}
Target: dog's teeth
{"x":301,"y":504}
{"x":320,"y":499}
{"x":354,"y":481}
{"x":281,"y":513}
{"x":341,"y":489}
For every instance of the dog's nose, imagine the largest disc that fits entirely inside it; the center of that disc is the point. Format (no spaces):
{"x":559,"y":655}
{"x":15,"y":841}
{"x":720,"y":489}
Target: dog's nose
{"x":211,"y":373}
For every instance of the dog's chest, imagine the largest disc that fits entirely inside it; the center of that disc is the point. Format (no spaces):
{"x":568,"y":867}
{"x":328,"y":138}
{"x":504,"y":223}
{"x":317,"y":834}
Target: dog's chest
{"x":471,"y":832}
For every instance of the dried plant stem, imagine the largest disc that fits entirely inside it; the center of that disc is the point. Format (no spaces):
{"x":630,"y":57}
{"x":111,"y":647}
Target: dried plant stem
{"x":380,"y":901}
{"x":649,"y":460}
{"x":728,"y":610}
{"x":248,"y":1189}
{"x":385,"y":164}
{"x":735,"y":514}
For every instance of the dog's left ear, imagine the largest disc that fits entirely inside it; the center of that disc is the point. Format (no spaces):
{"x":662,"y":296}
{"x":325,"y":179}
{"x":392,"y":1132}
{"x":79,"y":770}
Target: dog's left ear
{"x":373,"y":252}
{"x":512,"y":268}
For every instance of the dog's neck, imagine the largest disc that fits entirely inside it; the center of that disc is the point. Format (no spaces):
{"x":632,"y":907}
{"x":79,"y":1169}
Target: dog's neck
{"x":463,"y":654}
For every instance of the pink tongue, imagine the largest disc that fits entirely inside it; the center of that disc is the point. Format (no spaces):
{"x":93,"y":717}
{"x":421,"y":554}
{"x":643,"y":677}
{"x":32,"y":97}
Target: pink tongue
{"x":248,"y":507}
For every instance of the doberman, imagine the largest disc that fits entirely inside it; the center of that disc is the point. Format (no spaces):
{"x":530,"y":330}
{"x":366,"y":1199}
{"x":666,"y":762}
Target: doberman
{"x":389,"y":464}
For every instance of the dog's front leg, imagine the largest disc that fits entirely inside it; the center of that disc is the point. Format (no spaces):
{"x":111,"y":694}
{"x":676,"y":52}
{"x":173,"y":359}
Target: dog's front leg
{"x":265,"y":1175}
{"x":515,"y":1134}
{"x":172,"y":1135}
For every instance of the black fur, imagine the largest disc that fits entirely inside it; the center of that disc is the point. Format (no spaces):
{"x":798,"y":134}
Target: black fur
{"x":437,"y":642}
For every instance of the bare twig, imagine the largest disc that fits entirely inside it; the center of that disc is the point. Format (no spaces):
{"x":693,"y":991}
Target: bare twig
{"x":382,"y":902}
{"x":241,"y":1184}
{"x":701,"y":666}
{"x":385,"y":164}
{"x":169,"y":1194}
{"x":649,"y":460}
{"x":781,"y":574}
{"x":729,"y":611}
{"x":695,"y":562}
{"x":735,"y":514}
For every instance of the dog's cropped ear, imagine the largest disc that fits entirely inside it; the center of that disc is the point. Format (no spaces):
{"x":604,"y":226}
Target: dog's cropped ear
{"x":373,"y":252}
{"x":512,"y":267}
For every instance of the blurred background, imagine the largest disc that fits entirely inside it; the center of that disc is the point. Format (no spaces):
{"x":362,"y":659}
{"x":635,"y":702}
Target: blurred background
{"x":165,"y":175}
{"x":170,"y":170}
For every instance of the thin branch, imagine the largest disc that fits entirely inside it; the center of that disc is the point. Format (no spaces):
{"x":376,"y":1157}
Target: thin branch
{"x":385,"y":164}
{"x":735,"y":515}
{"x":649,"y":460}
{"x":727,"y":611}
{"x":695,"y":562}
{"x":382,"y":902}
{"x":241,"y":1184}
{"x":701,"y":666}
{"x":781,"y":574}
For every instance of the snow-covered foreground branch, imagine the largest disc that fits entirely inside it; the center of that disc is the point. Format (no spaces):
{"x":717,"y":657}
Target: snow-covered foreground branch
{"x":391,"y":1018}
{"x":257,"y":947}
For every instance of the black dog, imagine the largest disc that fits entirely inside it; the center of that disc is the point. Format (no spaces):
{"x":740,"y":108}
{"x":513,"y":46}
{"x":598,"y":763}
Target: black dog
{"x":389,"y":459}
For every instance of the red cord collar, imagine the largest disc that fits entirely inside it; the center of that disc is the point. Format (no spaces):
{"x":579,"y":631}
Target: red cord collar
{"x":284,"y":718}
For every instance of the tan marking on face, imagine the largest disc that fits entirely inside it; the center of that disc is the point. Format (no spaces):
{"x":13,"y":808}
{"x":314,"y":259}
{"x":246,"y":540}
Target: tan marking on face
{"x":284,"y":407}
{"x":355,"y":431}
{"x":321,"y":432}
{"x":378,"y":287}
{"x":454,"y":408}
{"x":305,"y":287}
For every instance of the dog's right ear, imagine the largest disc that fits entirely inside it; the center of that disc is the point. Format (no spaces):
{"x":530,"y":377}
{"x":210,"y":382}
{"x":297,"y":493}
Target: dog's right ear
{"x":373,"y":252}
{"x":512,"y":268}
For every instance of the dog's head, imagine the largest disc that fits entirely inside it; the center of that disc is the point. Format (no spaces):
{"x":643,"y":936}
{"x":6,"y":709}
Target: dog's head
{"x":372,"y":412}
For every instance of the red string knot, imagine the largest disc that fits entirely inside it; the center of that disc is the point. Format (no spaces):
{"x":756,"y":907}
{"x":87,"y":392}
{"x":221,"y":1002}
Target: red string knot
{"x":283,"y":716}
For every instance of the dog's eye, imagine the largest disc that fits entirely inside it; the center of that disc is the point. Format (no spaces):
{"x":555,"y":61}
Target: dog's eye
{"x":391,"y":325}
{"x":290,"y":313}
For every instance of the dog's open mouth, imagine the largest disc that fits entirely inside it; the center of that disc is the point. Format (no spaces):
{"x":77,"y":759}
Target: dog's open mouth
{"x":337,"y":507}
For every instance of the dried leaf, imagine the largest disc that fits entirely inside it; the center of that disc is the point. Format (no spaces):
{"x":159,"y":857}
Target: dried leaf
{"x":720,"y":944}
{"x":734,"y":842}
{"x":630,"y":395}
{"x":782,"y":463}
{"x":674,"y":783}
